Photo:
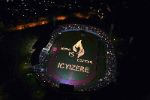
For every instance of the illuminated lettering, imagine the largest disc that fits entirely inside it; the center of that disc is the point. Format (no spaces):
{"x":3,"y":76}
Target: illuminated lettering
{"x":77,"y":52}
{"x":78,"y":68}
{"x":78,"y":60}
{"x":71,"y":54}
{"x":82,"y":69}
{"x":86,"y":69}
{"x":67,"y":66}
{"x":73,"y":67}
{"x":84,"y":61}
{"x":91,"y":62}
{"x":65,"y":49}
{"x":60,"y":65}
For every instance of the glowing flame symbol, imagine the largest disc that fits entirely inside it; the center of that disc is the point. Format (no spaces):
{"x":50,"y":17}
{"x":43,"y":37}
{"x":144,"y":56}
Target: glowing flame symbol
{"x":80,"y":51}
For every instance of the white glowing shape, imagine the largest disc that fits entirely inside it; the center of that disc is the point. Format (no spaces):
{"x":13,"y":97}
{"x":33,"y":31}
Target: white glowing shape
{"x":81,"y":50}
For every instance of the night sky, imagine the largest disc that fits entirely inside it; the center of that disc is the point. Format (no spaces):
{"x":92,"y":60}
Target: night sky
{"x":25,"y":28}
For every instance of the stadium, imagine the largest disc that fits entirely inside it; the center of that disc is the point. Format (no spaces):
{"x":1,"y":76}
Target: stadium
{"x":74,"y":50}
{"x":61,"y":64}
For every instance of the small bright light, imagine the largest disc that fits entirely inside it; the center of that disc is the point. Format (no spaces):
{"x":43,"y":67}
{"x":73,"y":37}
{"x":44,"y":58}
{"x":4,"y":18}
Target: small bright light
{"x":61,"y":17}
